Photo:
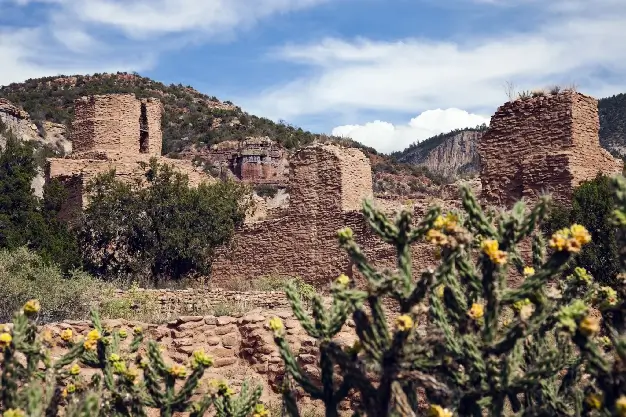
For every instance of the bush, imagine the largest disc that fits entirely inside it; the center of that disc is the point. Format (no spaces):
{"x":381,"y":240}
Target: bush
{"x":482,"y":348}
{"x":164,"y":230}
{"x":592,"y":206}
{"x":25,"y":275}
{"x":35,"y":386}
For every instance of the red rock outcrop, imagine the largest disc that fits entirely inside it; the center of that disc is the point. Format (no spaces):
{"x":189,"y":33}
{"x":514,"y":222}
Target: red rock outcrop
{"x":542,"y":144}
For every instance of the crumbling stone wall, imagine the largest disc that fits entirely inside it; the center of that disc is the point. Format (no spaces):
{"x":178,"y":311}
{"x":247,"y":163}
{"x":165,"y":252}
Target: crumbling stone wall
{"x":327,"y":187}
{"x":115,"y":131}
{"x":242,"y":346}
{"x":542,"y":144}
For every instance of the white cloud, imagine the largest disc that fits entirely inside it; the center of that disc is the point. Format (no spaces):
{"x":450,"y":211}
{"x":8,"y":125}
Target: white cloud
{"x":386,"y":137}
{"x":570,"y":41}
{"x":83,"y":36}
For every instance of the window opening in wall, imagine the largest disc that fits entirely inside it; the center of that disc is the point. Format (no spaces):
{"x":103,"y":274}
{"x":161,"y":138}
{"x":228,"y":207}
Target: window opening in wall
{"x":143,"y":130}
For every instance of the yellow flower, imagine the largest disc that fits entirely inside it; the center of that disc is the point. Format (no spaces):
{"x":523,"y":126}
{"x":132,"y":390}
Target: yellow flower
{"x":345,"y":233}
{"x":123,"y":333}
{"x":260,"y":411}
{"x":594,"y":401}
{"x":559,"y":239}
{"x":518,"y":305}
{"x":276,"y":324}
{"x":67,"y":335}
{"x":93,"y":335}
{"x":47,"y":336}
{"x":580,"y":233}
{"x":436,"y":237}
{"x":119,"y":367}
{"x":31,"y":307}
{"x":178,"y":371}
{"x":71,"y":388}
{"x":137,"y":330}
{"x":440,"y":290}
{"x":438,"y":411}
{"x":476,"y":312}
{"x":75,"y":369}
{"x":90,"y":344}
{"x":14,"y":412}
{"x":64,"y":393}
{"x":450,"y":221}
{"x":404,"y":323}
{"x":620,"y":405}
{"x":202,"y":358}
{"x":490,"y":248}
{"x":114,"y":357}
{"x":5,"y":340}
{"x":589,"y":326}
{"x":343,"y":280}
{"x":439,"y":222}
{"x":528,"y":271}
{"x":131,"y":374}
{"x":573,"y":245}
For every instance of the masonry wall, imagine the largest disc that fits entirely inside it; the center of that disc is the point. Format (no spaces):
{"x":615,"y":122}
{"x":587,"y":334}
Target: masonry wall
{"x":106,"y":122}
{"x":327,"y":187}
{"x":542,"y":144}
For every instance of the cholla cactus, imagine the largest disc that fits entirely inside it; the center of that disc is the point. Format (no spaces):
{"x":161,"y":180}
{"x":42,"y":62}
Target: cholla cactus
{"x":32,"y":385}
{"x":468,"y":360}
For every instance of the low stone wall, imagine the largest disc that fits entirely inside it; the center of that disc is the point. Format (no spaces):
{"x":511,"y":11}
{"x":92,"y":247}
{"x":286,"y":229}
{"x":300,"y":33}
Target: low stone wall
{"x":242,"y":347}
{"x":195,"y":300}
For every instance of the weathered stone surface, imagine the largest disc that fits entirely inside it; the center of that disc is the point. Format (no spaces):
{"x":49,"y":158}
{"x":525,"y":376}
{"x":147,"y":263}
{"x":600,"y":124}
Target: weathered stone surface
{"x":546,"y":143}
{"x":115,"y":131}
{"x":328,"y":184}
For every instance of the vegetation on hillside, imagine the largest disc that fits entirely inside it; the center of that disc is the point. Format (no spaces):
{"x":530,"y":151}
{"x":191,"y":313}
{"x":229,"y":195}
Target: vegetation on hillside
{"x":465,"y":342}
{"x":613,"y":122}
{"x":419,"y":150}
{"x":190,"y":116}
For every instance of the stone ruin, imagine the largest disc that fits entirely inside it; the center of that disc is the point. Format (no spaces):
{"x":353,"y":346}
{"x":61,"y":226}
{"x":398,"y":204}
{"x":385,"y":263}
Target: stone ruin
{"x":255,"y":160}
{"x":542,"y":144}
{"x":115,"y":131}
{"x":327,"y":187}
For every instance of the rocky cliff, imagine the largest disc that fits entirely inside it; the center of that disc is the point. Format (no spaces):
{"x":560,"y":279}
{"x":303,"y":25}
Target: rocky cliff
{"x":450,"y":155}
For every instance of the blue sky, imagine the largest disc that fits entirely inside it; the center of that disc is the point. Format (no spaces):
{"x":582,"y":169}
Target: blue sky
{"x":385,"y":72}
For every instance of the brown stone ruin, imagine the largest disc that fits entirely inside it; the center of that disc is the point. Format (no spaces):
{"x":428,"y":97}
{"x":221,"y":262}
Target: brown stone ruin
{"x":115,"y":131}
{"x":327,"y":187}
{"x":548,"y":143}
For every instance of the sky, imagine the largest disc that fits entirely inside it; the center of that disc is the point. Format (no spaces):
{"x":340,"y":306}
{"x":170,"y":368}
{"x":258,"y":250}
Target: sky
{"x":387,"y":73}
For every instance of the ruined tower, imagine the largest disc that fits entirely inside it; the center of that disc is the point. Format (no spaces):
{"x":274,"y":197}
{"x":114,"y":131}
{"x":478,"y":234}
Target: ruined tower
{"x":113,"y":131}
{"x":548,"y":143}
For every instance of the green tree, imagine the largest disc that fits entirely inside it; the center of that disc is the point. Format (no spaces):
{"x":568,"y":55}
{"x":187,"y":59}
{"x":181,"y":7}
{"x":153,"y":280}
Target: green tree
{"x":592,"y":205}
{"x":166,"y":229}
{"x":26,"y":220}
{"x":19,"y":208}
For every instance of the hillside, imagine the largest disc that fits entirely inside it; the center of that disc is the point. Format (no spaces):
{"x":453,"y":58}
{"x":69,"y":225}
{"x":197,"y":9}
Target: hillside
{"x":448,"y":155}
{"x":190,"y":116}
{"x":192,"y":121}
{"x":612,"y":111}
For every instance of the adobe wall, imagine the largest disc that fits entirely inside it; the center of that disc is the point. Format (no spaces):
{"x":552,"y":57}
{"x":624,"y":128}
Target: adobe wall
{"x":546,"y":143}
{"x":106,"y":122}
{"x":328,"y":185}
